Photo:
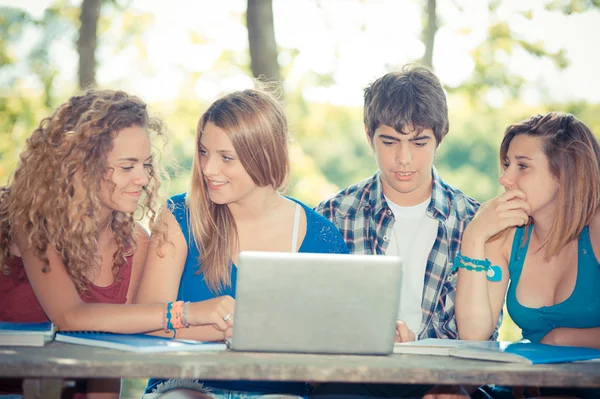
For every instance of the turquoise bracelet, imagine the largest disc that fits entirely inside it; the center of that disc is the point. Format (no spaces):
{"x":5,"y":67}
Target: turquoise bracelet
{"x":493,"y":273}
{"x":479,"y":265}
{"x":478,"y":262}
{"x":474,"y":268}
{"x":169,"y":326}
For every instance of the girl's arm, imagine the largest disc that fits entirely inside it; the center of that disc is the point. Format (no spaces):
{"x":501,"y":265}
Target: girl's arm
{"x":61,"y":302}
{"x":587,"y":337}
{"x":479,"y":301}
{"x":139,"y":260}
{"x":160,"y":283}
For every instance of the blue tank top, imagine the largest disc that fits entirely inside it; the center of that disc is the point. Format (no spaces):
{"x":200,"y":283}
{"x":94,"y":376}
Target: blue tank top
{"x":580,"y":310}
{"x":321,"y":237}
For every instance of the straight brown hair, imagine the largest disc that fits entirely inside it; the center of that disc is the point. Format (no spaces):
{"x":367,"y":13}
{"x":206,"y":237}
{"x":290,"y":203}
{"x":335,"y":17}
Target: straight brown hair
{"x":573,"y":155}
{"x":256,"y":124}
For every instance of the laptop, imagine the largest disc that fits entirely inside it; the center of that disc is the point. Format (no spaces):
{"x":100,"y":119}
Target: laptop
{"x":316,"y":303}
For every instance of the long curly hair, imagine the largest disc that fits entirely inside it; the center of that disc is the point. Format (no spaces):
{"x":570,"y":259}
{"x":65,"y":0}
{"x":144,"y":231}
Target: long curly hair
{"x":54,"y":194}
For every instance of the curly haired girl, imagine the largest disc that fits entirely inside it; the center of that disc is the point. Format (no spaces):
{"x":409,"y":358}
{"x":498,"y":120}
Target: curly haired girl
{"x":71,"y":251}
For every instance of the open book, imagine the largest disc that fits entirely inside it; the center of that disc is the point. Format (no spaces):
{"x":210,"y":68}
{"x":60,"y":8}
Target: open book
{"x":140,"y":343}
{"x":498,"y":351}
{"x":25,"y":334}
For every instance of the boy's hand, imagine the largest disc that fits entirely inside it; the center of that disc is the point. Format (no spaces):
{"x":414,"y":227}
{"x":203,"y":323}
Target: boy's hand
{"x":403,"y":334}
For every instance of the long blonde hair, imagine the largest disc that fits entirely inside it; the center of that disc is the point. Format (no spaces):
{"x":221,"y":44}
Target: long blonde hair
{"x":54,"y":192}
{"x":573,"y":155}
{"x":258,"y":129}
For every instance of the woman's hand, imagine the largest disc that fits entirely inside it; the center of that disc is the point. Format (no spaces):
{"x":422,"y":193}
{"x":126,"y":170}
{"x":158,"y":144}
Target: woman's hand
{"x":506,"y":210}
{"x":217,"y":312}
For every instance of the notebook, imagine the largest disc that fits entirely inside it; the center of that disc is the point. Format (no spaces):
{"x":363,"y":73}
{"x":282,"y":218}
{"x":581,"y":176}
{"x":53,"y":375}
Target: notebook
{"x":316,"y":303}
{"x":445,"y":347}
{"x":498,"y":351}
{"x":140,"y":343}
{"x":25,"y":334}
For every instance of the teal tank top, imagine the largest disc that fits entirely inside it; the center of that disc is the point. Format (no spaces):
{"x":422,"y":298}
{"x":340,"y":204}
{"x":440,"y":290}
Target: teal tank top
{"x":580,"y":310}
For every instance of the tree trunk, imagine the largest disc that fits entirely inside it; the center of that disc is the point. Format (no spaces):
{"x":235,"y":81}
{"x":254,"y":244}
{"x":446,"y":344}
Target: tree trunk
{"x":86,"y":44}
{"x":261,"y":37}
{"x":429,"y":32}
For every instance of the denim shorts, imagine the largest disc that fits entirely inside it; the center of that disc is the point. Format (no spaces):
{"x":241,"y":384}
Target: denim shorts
{"x":195,"y":385}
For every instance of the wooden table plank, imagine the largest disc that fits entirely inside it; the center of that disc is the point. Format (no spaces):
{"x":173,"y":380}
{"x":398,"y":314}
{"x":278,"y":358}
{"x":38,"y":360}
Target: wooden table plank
{"x":57,"y":360}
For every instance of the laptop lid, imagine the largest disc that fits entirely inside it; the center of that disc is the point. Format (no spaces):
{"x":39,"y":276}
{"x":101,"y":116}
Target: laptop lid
{"x":316,"y":303}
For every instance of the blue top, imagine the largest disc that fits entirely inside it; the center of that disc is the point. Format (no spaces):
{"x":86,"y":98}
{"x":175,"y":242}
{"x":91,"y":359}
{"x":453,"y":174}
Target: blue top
{"x":580,"y":310}
{"x":321,"y":237}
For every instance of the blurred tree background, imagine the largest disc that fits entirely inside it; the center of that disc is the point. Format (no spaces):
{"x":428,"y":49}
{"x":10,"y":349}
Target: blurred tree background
{"x":500,"y":61}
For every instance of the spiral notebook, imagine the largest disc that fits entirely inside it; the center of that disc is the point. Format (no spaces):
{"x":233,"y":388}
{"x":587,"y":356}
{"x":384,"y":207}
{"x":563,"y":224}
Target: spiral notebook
{"x":140,"y":343}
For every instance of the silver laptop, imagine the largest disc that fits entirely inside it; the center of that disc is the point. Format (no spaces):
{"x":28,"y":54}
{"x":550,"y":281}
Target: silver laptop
{"x":316,"y":303}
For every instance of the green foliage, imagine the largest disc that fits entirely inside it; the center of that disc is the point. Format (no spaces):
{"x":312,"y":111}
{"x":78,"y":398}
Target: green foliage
{"x":12,"y":24}
{"x":490,"y":70}
{"x":335,"y":138}
{"x":572,"y":6}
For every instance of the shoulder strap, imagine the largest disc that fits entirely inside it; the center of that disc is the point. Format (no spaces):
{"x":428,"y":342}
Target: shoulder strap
{"x":296,"y":226}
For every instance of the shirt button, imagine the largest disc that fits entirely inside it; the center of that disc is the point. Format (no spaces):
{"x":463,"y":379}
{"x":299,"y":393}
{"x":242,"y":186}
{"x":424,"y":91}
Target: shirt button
{"x":385,"y":238}
{"x":389,"y":212}
{"x":451,"y":278}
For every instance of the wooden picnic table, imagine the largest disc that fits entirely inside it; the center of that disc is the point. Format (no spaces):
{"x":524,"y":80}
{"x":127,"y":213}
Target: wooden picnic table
{"x":44,"y":367}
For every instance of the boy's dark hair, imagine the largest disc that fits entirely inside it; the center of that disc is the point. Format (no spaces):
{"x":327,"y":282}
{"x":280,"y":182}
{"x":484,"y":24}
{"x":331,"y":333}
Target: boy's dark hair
{"x":412,"y":98}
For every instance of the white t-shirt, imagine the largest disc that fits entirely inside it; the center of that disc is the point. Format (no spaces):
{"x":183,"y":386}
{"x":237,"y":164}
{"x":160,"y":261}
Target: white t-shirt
{"x":414,"y":234}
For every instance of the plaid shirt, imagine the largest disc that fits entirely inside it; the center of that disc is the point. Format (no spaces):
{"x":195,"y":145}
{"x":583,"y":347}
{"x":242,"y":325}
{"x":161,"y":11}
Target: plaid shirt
{"x":362,"y":215}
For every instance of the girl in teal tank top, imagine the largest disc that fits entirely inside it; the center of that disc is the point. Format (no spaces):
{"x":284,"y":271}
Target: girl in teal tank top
{"x":580,"y":310}
{"x":534,"y":244}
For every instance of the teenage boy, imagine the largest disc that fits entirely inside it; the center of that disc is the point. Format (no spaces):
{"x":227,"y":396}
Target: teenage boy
{"x":406,"y":209}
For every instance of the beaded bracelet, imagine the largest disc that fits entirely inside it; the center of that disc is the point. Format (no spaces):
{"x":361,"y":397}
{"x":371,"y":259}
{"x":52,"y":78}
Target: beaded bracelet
{"x":493,"y":272}
{"x":485,"y":263}
{"x":185,"y":312}
{"x":175,"y":316}
{"x":479,"y":264}
{"x":168,"y":325}
{"x":177,"y":313}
